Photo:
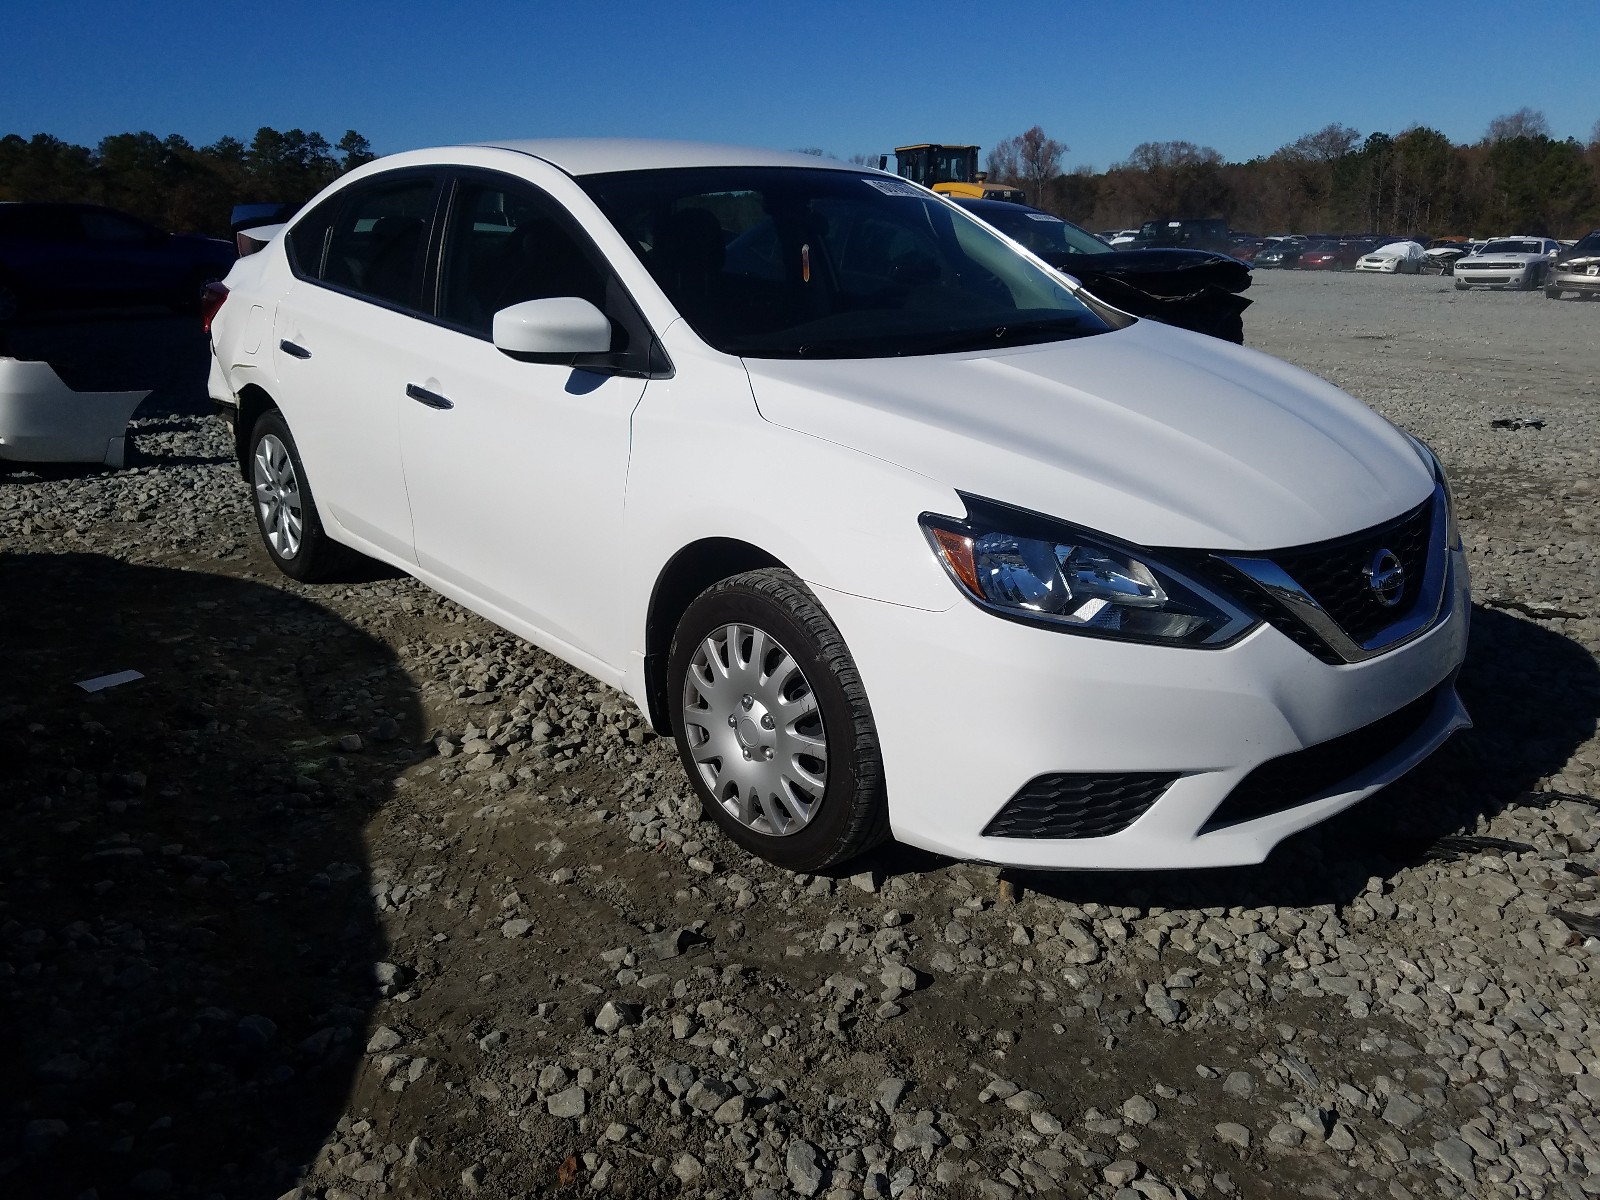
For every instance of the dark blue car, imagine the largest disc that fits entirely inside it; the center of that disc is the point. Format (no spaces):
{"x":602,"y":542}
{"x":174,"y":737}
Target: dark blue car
{"x":82,"y":255}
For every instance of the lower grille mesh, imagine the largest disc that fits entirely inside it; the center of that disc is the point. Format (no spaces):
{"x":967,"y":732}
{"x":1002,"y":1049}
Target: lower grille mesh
{"x":1293,"y":779}
{"x":1077,"y":806}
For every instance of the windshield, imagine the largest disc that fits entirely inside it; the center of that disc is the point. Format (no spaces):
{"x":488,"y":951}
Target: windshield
{"x":1040,"y":232}
{"x":1588,"y":244}
{"x":787,"y":262}
{"x":1512,"y":246}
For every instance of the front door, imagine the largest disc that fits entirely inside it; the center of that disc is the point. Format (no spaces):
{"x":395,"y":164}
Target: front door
{"x":517,"y":470}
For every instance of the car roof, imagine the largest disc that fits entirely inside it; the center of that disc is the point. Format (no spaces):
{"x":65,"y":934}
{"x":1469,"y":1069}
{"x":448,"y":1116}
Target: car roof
{"x":594,"y":156}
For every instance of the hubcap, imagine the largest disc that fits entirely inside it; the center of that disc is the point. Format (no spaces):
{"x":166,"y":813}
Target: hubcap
{"x":278,"y":504}
{"x":755,"y":731}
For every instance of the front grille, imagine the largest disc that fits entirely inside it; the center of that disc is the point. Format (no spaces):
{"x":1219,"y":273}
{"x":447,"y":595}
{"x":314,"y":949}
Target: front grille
{"x":1305,"y":775}
{"x":1333,"y":573}
{"x":1237,"y":586}
{"x":1077,"y":806}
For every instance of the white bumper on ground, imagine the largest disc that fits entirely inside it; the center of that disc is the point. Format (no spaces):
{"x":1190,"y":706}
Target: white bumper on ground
{"x":43,"y":420}
{"x":970,"y":708}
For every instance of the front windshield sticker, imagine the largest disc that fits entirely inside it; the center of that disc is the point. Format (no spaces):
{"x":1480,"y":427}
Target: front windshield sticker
{"x":896,"y":187}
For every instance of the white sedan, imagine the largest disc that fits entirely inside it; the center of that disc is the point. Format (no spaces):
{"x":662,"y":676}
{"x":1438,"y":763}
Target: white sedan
{"x":1515,"y":262}
{"x":890,"y":526}
{"x":1395,"y":258}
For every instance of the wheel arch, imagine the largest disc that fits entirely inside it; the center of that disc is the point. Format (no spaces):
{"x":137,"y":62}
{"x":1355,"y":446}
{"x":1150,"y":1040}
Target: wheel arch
{"x":689,"y":572}
{"x":253,"y":401}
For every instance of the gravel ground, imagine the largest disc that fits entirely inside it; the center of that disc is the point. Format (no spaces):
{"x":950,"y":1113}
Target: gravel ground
{"x":354,"y":894}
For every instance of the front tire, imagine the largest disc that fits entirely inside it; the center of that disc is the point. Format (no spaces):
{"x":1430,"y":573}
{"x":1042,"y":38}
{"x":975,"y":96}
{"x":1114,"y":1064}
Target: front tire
{"x":1552,"y":293}
{"x":772,"y":723}
{"x":286,"y":513}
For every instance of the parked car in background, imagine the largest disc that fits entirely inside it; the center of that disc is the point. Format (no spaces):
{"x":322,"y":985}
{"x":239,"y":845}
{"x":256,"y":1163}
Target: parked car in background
{"x":1282,"y":254}
{"x":82,"y":255}
{"x":1183,"y":233}
{"x":853,"y":499}
{"x":1576,"y":270}
{"x":1194,"y":289}
{"x":1441,"y":255}
{"x":1331,"y":256}
{"x":1393,"y":258}
{"x":1247,"y":249}
{"x":1509,"y":262}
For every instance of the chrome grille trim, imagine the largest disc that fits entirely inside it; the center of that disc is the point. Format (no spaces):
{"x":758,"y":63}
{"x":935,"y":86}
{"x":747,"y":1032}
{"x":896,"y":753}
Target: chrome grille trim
{"x":1426,"y":612}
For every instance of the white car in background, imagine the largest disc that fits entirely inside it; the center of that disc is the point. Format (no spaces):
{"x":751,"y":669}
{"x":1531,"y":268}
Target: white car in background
{"x":892,"y":527}
{"x":1395,"y":258}
{"x":1508,"y":262}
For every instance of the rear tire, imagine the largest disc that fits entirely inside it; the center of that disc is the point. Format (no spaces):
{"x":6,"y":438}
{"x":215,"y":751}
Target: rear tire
{"x":772,"y":723}
{"x":286,"y":512}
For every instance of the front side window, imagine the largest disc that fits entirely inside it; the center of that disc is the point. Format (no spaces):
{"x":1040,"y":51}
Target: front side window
{"x":505,"y":244}
{"x":375,"y":245}
{"x":789,"y":262}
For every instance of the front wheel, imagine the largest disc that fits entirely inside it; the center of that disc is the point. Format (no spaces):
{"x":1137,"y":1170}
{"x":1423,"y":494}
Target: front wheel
{"x":773,"y":725}
{"x":286,"y":513}
{"x":1552,"y":293}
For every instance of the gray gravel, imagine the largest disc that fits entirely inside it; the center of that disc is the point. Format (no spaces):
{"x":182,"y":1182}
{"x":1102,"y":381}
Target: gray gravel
{"x":356,"y":894}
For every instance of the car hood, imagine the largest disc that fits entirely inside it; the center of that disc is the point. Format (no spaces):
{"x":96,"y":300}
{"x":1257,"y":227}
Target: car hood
{"x":1498,"y":258}
{"x":1578,"y":260}
{"x":1154,"y":435}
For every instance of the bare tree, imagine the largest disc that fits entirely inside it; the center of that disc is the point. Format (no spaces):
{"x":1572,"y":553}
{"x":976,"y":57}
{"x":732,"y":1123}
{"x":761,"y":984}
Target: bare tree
{"x":1525,"y":122}
{"x":1031,"y":159}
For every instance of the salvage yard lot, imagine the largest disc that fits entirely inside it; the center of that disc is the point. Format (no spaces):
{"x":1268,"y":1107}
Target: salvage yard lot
{"x":581,"y":989}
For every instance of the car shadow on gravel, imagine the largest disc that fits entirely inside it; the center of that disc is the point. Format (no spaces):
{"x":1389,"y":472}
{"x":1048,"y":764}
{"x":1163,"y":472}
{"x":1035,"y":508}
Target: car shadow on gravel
{"x":187,"y":934}
{"x":1534,"y":696}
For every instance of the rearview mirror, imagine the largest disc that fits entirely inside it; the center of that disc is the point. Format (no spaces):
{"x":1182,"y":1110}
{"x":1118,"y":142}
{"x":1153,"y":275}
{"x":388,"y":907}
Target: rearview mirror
{"x":552,"y":330}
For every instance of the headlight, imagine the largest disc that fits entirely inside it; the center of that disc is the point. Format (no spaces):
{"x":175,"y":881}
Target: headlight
{"x":1030,"y":568}
{"x":1452,"y":531}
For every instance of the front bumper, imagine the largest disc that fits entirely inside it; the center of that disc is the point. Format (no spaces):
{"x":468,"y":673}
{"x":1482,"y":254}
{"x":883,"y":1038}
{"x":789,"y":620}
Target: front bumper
{"x":1575,"y":283}
{"x":971,"y":709}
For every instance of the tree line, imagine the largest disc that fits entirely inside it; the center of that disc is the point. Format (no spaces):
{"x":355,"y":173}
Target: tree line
{"x":1516,"y":179}
{"x":173,"y":184}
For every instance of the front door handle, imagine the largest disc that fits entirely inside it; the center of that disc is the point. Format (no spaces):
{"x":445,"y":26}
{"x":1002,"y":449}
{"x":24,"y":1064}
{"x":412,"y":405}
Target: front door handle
{"x":423,"y":396}
{"x":292,"y":350}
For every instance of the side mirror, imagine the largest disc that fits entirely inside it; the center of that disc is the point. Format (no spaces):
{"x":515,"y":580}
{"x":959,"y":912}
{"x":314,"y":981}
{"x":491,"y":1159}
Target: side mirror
{"x":552,"y":330}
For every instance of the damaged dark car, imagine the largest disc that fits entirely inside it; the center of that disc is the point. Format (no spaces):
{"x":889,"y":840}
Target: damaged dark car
{"x":1193,"y":289}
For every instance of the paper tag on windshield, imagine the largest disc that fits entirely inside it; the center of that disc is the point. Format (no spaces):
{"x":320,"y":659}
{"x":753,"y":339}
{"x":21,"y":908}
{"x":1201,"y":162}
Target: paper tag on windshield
{"x":895,"y":187}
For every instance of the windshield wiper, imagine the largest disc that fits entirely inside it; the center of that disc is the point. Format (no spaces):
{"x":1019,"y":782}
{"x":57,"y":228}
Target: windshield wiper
{"x":1019,"y":334}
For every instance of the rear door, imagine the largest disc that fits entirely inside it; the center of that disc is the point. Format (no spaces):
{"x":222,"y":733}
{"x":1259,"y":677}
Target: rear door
{"x":343,"y":333}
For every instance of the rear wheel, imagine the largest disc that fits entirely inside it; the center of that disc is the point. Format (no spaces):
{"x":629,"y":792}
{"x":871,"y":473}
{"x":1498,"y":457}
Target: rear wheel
{"x":773,"y":725}
{"x":286,"y":513}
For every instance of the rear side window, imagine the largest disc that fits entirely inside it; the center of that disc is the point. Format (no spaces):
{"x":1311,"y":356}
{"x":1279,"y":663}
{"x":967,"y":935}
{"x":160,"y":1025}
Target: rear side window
{"x":308,"y":240}
{"x":370,"y":239}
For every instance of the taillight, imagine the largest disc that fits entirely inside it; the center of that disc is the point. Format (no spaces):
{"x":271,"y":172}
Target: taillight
{"x":210,"y":301}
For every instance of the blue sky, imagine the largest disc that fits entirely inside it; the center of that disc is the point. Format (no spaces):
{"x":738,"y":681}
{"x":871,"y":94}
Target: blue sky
{"x":862,"y":77}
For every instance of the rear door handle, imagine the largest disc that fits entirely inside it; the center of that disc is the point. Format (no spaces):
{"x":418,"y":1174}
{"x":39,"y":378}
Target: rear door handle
{"x":292,"y":350}
{"x":423,"y":396}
